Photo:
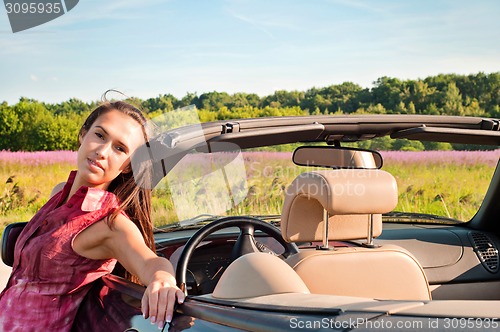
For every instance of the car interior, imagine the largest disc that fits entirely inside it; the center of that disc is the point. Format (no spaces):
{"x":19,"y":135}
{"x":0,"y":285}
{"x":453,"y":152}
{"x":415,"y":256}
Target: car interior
{"x":357,"y":261}
{"x":353,"y":261}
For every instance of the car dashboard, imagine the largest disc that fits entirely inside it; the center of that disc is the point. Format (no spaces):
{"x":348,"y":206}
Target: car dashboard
{"x":459,"y":263}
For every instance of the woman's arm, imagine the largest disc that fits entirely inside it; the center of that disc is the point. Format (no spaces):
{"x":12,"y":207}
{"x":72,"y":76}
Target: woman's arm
{"x":125,"y":243}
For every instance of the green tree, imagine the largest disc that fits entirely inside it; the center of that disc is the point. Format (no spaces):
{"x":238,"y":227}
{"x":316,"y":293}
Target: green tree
{"x":437,"y":146}
{"x":162,"y":103}
{"x":387,"y":92}
{"x":30,"y":113}
{"x":376,"y":109}
{"x":283,"y":98}
{"x":452,"y":100}
{"x":71,"y":106}
{"x":432,"y":109}
{"x":59,"y":133}
{"x":473,"y":108}
{"x":408,"y":145}
{"x":213,"y":100}
{"x":422,"y":94}
{"x":383,"y":143}
{"x":189,"y":99}
{"x":10,"y":128}
{"x":401,"y":108}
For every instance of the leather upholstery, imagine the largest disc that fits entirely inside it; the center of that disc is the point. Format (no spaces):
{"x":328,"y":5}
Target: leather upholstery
{"x":385,"y":273}
{"x":349,"y":197}
{"x":258,"y":274}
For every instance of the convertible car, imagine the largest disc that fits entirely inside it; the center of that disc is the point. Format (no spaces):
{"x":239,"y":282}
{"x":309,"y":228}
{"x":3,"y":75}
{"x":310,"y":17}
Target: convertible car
{"x":317,"y":223}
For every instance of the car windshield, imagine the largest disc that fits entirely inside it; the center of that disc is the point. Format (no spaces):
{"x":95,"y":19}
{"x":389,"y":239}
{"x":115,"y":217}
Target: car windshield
{"x":434,"y":186}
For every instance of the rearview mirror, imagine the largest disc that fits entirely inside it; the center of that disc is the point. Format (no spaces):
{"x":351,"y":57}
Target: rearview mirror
{"x":335,"y":157}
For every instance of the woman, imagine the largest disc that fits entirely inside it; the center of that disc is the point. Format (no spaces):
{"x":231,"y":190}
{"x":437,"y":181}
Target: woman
{"x":99,"y":217}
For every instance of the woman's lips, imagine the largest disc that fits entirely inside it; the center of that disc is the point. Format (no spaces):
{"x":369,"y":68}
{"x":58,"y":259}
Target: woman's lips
{"x":95,"y":164}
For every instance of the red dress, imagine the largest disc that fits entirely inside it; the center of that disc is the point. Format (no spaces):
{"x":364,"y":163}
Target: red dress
{"x":49,"y":280}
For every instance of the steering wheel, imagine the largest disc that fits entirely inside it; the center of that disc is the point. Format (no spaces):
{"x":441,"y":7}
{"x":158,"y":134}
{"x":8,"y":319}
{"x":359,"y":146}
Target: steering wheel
{"x":244,"y":244}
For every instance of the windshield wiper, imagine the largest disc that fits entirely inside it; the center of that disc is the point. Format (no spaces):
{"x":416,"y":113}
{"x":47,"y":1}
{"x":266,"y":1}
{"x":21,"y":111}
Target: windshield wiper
{"x":197,"y":220}
{"x":396,"y":216}
{"x":274,"y":219}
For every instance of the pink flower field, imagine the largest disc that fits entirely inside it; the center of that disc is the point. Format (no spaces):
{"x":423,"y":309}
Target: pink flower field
{"x":37,"y":158}
{"x":405,"y":157}
{"x":465,"y":158}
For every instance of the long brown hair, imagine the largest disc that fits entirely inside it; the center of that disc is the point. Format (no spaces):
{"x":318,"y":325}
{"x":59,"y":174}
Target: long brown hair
{"x":135,"y":199}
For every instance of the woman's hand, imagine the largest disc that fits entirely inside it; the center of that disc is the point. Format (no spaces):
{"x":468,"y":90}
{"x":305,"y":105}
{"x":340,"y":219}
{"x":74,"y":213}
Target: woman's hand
{"x":160,"y":297}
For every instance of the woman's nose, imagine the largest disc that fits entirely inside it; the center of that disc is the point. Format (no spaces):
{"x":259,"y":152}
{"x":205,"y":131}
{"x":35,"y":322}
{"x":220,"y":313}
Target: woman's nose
{"x":102,"y":151}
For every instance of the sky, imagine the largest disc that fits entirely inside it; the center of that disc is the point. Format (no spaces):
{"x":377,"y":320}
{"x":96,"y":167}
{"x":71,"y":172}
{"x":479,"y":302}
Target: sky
{"x":147,"y":48}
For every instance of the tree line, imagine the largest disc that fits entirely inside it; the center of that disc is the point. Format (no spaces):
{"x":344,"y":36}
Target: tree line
{"x":31,"y":125}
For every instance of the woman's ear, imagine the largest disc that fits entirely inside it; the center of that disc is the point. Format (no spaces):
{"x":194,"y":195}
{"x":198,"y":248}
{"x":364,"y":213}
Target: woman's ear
{"x":81,"y":136}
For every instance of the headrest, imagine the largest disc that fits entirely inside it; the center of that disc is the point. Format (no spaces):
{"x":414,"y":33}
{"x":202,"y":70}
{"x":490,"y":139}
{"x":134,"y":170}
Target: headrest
{"x":349,"y":196}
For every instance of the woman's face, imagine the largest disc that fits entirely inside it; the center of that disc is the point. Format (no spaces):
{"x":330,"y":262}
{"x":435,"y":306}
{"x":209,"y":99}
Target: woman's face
{"x":106,"y":148}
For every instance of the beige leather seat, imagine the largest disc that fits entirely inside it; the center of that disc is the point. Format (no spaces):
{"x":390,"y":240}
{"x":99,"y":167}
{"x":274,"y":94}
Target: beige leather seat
{"x":352,"y":202}
{"x":258,"y":274}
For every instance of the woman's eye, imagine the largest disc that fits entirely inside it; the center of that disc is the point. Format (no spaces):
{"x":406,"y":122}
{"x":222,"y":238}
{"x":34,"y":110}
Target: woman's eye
{"x":121,"y":149}
{"x":99,"y":135}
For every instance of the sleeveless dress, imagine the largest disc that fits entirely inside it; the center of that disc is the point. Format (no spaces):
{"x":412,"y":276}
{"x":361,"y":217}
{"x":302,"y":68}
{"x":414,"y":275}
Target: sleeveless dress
{"x":49,"y":279}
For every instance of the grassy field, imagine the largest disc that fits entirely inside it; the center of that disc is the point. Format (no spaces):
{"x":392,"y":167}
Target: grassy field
{"x":26,"y":180}
{"x":446,"y":183}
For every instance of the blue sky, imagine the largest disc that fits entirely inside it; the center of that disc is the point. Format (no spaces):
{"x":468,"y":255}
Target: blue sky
{"x":151,"y":47}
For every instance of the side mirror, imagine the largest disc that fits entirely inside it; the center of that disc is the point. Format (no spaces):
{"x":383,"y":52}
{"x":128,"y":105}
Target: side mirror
{"x":335,"y":157}
{"x":9,"y":239}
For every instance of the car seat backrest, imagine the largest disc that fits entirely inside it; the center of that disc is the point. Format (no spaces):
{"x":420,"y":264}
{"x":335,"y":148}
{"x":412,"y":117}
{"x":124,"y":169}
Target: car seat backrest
{"x":348,"y":205}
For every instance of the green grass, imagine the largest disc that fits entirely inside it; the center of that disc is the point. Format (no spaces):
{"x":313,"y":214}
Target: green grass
{"x":30,"y":188}
{"x":453,"y":191}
